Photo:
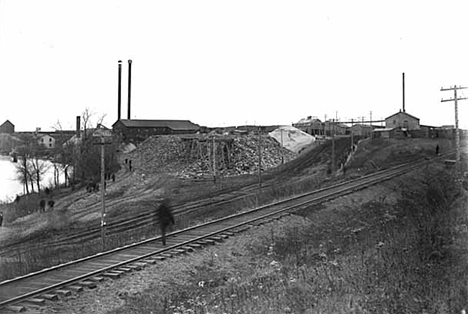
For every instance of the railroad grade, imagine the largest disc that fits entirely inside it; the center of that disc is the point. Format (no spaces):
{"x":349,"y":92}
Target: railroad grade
{"x":62,"y":280}
{"x":145,"y":218}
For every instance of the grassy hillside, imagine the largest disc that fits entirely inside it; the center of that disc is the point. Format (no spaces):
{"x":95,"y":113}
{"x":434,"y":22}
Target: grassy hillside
{"x":407,"y":256}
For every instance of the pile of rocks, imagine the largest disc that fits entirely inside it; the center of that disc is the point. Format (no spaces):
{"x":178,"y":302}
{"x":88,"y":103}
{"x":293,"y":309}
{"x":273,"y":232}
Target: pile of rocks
{"x":192,"y":156}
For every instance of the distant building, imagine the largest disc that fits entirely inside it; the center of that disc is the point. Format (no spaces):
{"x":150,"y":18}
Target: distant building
{"x":46,"y":140}
{"x":334,"y":128}
{"x":402,"y":120}
{"x":310,"y":125}
{"x":139,"y":130}
{"x":7,"y":127}
{"x":361,"y":130}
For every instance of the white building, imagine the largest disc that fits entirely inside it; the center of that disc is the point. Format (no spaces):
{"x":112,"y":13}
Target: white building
{"x":47,"y":141}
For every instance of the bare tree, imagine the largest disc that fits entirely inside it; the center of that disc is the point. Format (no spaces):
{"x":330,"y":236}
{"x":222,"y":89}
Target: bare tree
{"x":63,"y":154}
{"x":86,"y":120}
{"x":39,"y":168}
{"x":22,"y":168}
{"x":101,"y":118}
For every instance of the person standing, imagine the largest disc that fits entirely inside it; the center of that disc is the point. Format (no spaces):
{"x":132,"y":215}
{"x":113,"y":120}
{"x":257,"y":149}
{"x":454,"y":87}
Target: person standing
{"x":1,"y":218}
{"x":165,"y":217}
{"x":437,"y":149}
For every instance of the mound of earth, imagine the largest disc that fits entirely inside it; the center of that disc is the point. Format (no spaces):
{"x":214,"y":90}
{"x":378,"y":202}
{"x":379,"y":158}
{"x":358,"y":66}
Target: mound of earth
{"x":292,"y":138}
{"x":193,"y":156}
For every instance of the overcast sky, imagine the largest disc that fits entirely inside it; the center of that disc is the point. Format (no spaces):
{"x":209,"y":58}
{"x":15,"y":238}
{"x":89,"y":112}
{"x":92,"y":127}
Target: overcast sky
{"x":220,"y":63}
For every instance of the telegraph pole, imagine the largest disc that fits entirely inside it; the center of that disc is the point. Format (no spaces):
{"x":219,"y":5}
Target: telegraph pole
{"x":455,"y":99}
{"x":260,"y":157}
{"x":103,"y":134}
{"x":333,"y":149}
{"x":282,"y":151}
{"x":214,"y":160}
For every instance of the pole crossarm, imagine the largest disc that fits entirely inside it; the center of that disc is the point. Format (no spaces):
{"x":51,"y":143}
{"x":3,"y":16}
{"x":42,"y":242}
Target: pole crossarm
{"x":453,"y":99}
{"x":452,"y":88}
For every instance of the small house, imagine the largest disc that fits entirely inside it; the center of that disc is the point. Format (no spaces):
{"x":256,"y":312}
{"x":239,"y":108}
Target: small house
{"x":7,"y":127}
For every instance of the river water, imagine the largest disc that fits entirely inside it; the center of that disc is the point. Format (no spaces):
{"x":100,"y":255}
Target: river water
{"x":10,"y":186}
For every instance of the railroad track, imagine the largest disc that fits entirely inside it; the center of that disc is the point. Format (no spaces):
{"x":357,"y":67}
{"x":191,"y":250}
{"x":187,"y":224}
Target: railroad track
{"x":36,"y":288}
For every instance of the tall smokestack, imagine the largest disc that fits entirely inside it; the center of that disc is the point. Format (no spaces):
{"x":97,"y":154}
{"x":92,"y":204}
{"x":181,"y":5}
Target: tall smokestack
{"x":119,"y":96}
{"x":129,"y":86}
{"x":403,"y":91}
{"x":78,"y":126}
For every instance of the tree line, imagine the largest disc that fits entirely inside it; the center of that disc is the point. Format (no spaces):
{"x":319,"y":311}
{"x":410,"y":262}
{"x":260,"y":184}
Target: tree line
{"x":79,"y":159}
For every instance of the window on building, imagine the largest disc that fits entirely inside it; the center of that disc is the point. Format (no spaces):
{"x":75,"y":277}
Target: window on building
{"x":50,"y":140}
{"x":42,"y":140}
{"x":394,"y":122}
{"x":50,"y":144}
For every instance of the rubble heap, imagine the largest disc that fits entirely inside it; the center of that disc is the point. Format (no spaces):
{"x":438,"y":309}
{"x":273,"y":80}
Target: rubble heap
{"x":192,"y":156}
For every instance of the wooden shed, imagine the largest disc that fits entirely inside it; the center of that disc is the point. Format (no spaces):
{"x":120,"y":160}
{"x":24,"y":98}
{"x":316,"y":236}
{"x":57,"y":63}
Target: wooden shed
{"x":7,"y":127}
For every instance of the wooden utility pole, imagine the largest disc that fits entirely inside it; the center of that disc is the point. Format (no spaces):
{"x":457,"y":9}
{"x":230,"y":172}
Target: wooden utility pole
{"x":352,"y":136}
{"x":214,"y":160}
{"x":103,"y":134}
{"x":333,"y":148}
{"x":260,"y":157}
{"x":282,"y":151}
{"x":455,"y":99}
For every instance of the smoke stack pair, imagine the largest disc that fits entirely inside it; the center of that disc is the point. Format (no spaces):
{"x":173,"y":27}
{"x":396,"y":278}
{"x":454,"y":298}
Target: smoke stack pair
{"x":119,"y":97}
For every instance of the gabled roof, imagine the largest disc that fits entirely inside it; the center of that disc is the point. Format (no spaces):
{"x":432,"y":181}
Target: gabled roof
{"x":308,"y":120}
{"x":401,"y":112}
{"x":172,"y":124}
{"x":7,"y":122}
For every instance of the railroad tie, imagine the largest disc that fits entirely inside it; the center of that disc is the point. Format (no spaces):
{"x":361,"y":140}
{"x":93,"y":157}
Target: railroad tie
{"x":124,"y":269}
{"x":242,"y":229}
{"x":217,"y":238}
{"x":166,"y":254}
{"x":35,"y":301}
{"x":114,"y":274}
{"x":16,"y":308}
{"x":138,"y":265}
{"x":96,"y":278}
{"x":88,"y":284}
{"x":207,"y":241}
{"x":224,"y":235}
{"x":63,"y":292}
{"x":178,"y":251}
{"x":153,"y":259}
{"x":50,"y":297}
{"x":195,"y":245}
{"x":76,"y":288}
{"x":187,"y":248}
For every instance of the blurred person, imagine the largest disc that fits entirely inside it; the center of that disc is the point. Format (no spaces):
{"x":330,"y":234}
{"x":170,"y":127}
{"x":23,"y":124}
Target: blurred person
{"x":165,"y":217}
